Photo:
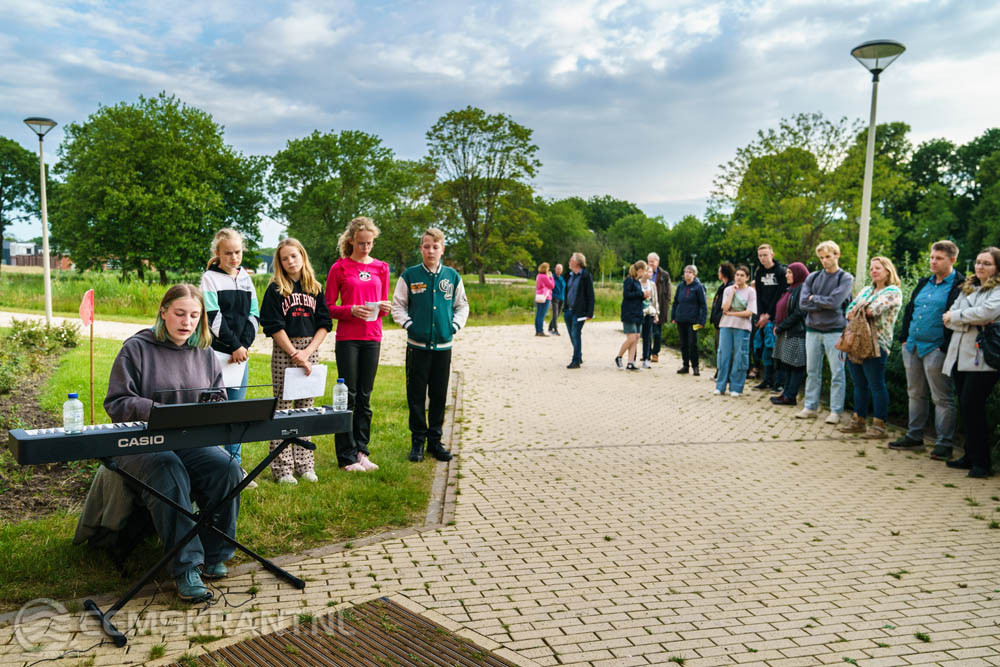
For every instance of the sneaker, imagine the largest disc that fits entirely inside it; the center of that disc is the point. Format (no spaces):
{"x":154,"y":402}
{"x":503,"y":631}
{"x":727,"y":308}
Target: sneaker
{"x":288,"y":479}
{"x":962,"y":464}
{"x":682,"y":370}
{"x":654,"y":358}
{"x":907,"y":443}
{"x":574,"y":364}
{"x":367,"y":462}
{"x":646,"y":365}
{"x":979,"y":472}
{"x":618,"y":363}
{"x":806,"y":413}
{"x":554,"y":333}
{"x":940,"y":452}
{"x":631,"y":367}
{"x":735,"y":394}
{"x":354,"y":467}
{"x":542,"y":334}
{"x":716,"y":392}
{"x":252,"y":484}
{"x":778,"y":390}
{"x":309,"y":476}
{"x":190,"y":587}
{"x":833,"y":418}
{"x":214,"y":571}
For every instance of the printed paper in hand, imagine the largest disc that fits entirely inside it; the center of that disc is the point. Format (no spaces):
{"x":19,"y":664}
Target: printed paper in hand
{"x":374,"y":306}
{"x":299,"y":385}
{"x":232,"y":373}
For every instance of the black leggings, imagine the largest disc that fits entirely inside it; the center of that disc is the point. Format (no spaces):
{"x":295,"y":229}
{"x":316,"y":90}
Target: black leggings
{"x":974,"y":388}
{"x":357,"y":363}
{"x":689,"y":343}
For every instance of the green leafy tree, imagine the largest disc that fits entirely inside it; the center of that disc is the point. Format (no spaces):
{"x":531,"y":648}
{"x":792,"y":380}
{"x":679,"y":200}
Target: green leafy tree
{"x":19,"y":177}
{"x":321,"y":182}
{"x":984,"y":223}
{"x":604,"y":211}
{"x":636,"y":235}
{"x":148,"y":185}
{"x":406,"y":213}
{"x":479,"y":159}
{"x":562,"y":229}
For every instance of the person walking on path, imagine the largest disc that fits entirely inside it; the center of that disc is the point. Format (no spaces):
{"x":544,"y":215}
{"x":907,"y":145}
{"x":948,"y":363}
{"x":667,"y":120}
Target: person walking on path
{"x":790,"y":330}
{"x":361,"y":284}
{"x":769,"y":283}
{"x":727,"y":275}
{"x":924,"y":340}
{"x":631,"y":314}
{"x":978,"y":306}
{"x":689,"y":312}
{"x":579,"y":304}
{"x":558,"y":299}
{"x":429,"y":302}
{"x":824,"y":295}
{"x":543,"y":295}
{"x":295,"y":316}
{"x":880,"y":303}
{"x":661,"y":279}
{"x":739,"y":304}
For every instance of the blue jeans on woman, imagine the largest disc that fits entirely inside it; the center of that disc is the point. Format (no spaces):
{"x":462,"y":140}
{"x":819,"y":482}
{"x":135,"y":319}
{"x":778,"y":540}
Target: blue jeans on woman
{"x":733,"y":344}
{"x":238,"y":394}
{"x":869,"y":377}
{"x":540,"y":310}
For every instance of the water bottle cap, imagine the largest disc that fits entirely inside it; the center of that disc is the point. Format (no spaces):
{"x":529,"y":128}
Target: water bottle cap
{"x":340,"y":380}
{"x":71,"y":396}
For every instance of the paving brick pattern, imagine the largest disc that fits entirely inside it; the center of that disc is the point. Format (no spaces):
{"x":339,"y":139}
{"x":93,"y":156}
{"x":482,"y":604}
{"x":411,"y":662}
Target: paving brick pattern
{"x":626,"y":518}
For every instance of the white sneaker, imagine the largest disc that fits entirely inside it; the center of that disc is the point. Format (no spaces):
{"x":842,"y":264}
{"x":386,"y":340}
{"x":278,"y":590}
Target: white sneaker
{"x":367,"y":462}
{"x":288,"y":479}
{"x":252,"y":484}
{"x":646,"y":364}
{"x":355,"y":467}
{"x":309,"y":476}
{"x":716,"y":392}
{"x":735,"y":394}
{"x":806,"y":413}
{"x":833,"y":418}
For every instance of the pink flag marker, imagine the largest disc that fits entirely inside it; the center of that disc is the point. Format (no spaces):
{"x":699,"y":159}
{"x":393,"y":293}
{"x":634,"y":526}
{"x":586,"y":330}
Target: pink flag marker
{"x":87,"y":308}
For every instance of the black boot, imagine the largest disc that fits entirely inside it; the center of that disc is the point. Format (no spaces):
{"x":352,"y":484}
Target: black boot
{"x":436,"y":450}
{"x":417,"y":452}
{"x":694,"y":370}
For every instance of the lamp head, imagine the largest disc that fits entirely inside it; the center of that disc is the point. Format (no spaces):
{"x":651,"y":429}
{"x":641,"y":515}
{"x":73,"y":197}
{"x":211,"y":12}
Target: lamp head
{"x":40,"y":126}
{"x":877,"y":54}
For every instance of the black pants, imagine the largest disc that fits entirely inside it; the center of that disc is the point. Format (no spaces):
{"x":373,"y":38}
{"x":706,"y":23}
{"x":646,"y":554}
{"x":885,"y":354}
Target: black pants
{"x":357,"y":363}
{"x":793,"y":380}
{"x":689,"y":344}
{"x":648,"y":326}
{"x":427,"y":375}
{"x":557,"y":309}
{"x":973,"y":390}
{"x":657,"y":335}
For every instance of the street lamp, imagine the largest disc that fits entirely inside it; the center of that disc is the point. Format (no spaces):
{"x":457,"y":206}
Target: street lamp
{"x":41,"y":127}
{"x":875,"y":56}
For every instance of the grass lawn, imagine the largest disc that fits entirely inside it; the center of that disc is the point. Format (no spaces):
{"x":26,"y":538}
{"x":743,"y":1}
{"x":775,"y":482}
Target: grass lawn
{"x":38,"y":559}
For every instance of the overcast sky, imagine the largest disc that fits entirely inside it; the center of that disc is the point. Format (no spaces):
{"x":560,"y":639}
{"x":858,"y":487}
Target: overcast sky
{"x":639,"y":99}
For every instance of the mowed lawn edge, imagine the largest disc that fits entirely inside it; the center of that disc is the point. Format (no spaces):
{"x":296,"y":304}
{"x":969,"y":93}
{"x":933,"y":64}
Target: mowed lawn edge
{"x":38,"y":559}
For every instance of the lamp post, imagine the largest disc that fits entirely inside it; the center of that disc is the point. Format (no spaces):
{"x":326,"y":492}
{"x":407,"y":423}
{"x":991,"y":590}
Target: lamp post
{"x":875,"y":56}
{"x":41,"y":127}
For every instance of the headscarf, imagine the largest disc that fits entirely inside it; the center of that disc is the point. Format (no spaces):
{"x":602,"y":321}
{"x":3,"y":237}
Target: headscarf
{"x":799,"y":275}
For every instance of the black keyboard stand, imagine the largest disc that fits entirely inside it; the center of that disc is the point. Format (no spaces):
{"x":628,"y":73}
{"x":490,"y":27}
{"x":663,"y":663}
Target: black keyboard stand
{"x":203,"y":519}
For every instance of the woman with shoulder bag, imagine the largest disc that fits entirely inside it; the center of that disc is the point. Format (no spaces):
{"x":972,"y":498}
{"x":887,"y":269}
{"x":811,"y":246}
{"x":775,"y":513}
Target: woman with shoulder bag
{"x":544,"y":282}
{"x":977,"y":306}
{"x":880,"y":303}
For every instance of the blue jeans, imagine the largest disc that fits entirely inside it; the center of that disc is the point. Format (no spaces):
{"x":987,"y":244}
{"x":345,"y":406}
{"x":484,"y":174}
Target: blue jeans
{"x":869,"y":377}
{"x":540,"y":310}
{"x":574,"y":329}
{"x":733,"y":345}
{"x":238,"y":394}
{"x":819,"y":343}
{"x":926,"y":381}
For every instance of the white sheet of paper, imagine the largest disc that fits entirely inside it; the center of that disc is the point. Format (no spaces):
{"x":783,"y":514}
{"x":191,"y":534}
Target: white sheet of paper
{"x":299,"y":385}
{"x":232,"y":374}
{"x":374,"y":306}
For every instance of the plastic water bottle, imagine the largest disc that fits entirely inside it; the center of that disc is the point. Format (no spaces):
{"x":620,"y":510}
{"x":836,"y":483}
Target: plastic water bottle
{"x":339,"y":395}
{"x":72,"y":414}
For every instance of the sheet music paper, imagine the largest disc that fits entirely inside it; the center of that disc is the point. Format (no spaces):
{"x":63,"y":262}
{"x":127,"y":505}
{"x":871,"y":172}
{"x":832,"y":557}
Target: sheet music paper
{"x":232,"y":373}
{"x":299,"y":385}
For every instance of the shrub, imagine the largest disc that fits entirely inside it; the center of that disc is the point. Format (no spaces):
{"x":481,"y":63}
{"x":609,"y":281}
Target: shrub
{"x":35,"y":336}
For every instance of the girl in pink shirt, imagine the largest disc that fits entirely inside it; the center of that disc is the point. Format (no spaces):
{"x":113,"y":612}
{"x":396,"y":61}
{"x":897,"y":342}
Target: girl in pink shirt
{"x":361,"y":284}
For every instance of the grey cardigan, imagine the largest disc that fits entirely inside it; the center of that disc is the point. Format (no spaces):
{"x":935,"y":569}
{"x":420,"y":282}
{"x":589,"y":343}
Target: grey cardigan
{"x":980,"y":307}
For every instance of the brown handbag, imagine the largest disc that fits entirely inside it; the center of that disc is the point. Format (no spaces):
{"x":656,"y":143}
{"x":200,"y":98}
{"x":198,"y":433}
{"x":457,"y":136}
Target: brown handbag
{"x":858,"y":340}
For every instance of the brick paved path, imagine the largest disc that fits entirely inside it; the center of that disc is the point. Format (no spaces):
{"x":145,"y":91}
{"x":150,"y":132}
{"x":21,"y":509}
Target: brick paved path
{"x":610,"y":517}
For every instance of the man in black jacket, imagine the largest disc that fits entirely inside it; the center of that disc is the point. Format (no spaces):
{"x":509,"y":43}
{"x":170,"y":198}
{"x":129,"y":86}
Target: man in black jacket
{"x":579,"y":304}
{"x":925,"y":341}
{"x":769,"y":282}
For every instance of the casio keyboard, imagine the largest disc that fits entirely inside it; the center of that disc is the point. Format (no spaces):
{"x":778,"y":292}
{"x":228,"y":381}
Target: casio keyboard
{"x":106,"y":441}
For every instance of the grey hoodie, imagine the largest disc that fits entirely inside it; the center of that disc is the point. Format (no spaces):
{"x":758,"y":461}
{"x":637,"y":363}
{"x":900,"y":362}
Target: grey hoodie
{"x":829,"y":292}
{"x":145,"y":366}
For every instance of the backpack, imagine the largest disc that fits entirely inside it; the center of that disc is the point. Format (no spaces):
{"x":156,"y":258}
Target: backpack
{"x":840,"y":276}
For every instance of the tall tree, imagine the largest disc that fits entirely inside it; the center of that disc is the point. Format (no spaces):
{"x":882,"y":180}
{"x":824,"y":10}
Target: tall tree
{"x":562,"y":230}
{"x":148,"y":184}
{"x":19,"y":180}
{"x":479,"y":159}
{"x":407,"y":213}
{"x":321,"y":182}
{"x":984,"y":223}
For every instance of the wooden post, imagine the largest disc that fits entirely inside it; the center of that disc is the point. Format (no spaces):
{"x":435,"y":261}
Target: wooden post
{"x":92,"y":421}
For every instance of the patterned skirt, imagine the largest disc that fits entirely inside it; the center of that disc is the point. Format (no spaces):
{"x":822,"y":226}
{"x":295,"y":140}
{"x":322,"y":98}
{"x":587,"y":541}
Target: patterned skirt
{"x":790,"y":350}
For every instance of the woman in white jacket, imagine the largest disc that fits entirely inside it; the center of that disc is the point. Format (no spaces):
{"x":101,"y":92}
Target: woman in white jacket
{"x":978,"y":305}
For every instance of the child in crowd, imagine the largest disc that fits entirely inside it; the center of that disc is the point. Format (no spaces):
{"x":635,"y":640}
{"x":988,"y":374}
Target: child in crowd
{"x":294,"y":314}
{"x":631,"y":313}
